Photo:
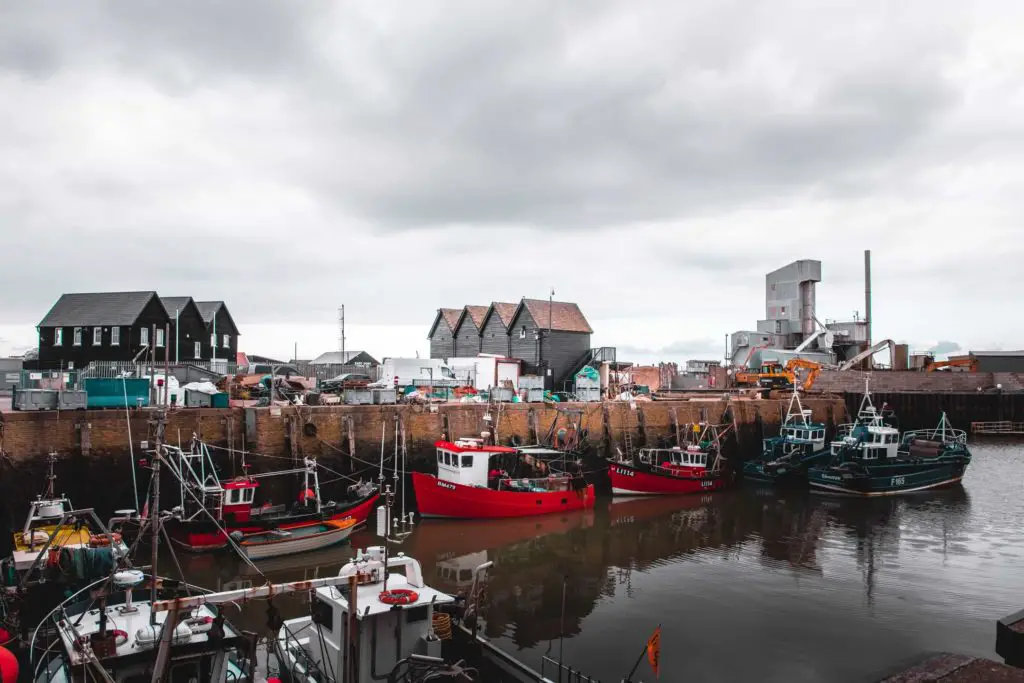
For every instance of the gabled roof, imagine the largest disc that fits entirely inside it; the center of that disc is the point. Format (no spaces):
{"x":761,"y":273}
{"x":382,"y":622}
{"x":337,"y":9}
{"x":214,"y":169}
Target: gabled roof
{"x":503,"y":310}
{"x":475,"y":314}
{"x":337,"y":358}
{"x":99,"y":308}
{"x":208,"y":309}
{"x":450,"y":317}
{"x":177,"y":303}
{"x":564,"y":316}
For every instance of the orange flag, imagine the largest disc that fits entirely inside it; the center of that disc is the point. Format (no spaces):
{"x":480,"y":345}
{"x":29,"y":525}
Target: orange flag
{"x":654,"y":651}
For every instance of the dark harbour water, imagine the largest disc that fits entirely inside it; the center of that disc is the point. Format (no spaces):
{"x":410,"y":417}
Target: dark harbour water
{"x":748,"y":585}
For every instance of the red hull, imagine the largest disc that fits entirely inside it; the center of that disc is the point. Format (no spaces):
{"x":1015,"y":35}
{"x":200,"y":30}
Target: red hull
{"x":200,"y":541}
{"x":630,"y":481}
{"x":436,"y":498}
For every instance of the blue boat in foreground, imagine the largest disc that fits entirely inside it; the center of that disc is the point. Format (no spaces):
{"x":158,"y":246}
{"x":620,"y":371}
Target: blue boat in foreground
{"x":870,"y":458}
{"x":786,"y":458}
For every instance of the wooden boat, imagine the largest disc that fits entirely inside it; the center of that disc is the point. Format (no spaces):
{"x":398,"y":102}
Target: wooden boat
{"x":462,"y":487}
{"x":870,"y":458}
{"x":672,"y":471}
{"x":298,"y":538}
{"x":799,"y":446}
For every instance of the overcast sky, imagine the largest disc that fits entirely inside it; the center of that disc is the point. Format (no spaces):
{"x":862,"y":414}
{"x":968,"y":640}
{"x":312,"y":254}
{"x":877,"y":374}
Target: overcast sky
{"x":649,"y":160}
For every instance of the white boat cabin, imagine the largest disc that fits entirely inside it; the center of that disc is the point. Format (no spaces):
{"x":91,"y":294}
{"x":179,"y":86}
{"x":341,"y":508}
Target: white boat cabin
{"x":691,"y":456}
{"x":312,"y":648}
{"x":869,"y":436}
{"x":467,"y":461}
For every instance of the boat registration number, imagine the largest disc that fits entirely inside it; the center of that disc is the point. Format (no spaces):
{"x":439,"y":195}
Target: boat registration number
{"x":898,"y":481}
{"x":446,"y":485}
{"x":707,"y":483}
{"x":625,"y":473}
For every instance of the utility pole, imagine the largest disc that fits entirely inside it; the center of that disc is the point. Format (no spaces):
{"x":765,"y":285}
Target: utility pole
{"x":177,"y":336}
{"x":341,"y":331}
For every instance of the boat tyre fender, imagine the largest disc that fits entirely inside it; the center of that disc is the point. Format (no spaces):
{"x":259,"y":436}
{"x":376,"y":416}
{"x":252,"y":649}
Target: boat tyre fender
{"x":103,"y":540}
{"x":399,"y":596}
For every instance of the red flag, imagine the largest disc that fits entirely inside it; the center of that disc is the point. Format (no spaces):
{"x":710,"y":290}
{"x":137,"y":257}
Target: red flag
{"x":654,"y":651}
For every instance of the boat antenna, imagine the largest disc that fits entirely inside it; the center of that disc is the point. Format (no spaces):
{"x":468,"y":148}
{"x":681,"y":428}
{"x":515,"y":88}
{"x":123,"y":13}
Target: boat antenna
{"x":154,"y":517}
{"x":380,"y":475}
{"x":50,"y":476}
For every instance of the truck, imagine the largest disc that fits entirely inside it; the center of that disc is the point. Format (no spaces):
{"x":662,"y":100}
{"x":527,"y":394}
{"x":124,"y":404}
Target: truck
{"x":416,"y":372}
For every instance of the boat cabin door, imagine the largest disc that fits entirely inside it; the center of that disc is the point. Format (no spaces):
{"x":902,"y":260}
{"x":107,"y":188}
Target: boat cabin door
{"x":238,"y":497}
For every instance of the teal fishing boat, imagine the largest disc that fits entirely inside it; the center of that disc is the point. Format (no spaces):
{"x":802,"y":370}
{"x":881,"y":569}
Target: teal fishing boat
{"x":786,"y":458}
{"x":870,"y":458}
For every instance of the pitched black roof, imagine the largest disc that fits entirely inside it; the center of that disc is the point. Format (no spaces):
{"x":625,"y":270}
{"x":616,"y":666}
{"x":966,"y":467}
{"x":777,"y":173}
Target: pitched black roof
{"x":208,"y":309}
{"x":175,"y":303}
{"x":99,"y":308}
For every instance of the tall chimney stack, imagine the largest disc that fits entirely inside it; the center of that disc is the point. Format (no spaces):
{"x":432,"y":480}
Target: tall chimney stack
{"x":867,"y":301}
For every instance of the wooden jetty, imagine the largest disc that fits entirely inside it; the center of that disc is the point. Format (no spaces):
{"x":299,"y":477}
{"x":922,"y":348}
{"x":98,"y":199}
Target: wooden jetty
{"x":999,"y":427}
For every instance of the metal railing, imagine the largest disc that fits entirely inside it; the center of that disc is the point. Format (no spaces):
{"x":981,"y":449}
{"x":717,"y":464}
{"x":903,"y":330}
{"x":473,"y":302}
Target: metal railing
{"x":942,"y":435}
{"x":563,"y":673}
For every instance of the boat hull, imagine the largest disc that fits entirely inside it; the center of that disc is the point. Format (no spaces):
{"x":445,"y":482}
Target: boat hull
{"x":632,"y":481}
{"x":203,"y":536}
{"x":315,"y":536}
{"x":787,"y":473}
{"x":437,"y":498}
{"x":888,"y":480}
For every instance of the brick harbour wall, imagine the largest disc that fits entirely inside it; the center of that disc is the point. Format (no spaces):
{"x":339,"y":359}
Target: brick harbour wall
{"x":94,"y":467}
{"x":324,"y":430}
{"x":832,"y":381}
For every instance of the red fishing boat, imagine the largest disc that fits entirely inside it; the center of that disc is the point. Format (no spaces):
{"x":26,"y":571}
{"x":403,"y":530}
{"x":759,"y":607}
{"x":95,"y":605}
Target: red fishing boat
{"x":672,"y":471}
{"x":210,"y":509}
{"x":473,"y":482}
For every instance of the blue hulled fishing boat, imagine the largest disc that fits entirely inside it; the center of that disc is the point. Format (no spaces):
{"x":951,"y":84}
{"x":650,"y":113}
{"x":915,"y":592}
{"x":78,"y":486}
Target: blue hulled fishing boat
{"x":786,"y":458}
{"x":870,"y":458}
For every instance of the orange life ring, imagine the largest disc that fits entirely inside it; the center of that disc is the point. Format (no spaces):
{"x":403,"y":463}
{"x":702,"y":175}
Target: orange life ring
{"x":103,"y":540}
{"x":399,"y":596}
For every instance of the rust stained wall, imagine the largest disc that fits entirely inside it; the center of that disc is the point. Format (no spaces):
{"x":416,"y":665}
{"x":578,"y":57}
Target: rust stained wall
{"x":29,"y":435}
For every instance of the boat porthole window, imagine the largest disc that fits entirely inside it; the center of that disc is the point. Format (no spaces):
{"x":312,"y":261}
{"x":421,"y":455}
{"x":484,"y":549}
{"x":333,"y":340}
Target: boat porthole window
{"x":467,"y":461}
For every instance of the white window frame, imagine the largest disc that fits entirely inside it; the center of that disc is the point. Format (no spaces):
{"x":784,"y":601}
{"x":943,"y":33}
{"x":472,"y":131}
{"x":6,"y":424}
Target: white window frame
{"x":77,"y":337}
{"x":143,"y":336}
{"x":227,"y":341}
{"x":115,"y":336}
{"x":522,"y":332}
{"x":197,"y":349}
{"x":159,"y":338}
{"x":97,"y":336}
{"x":58,"y":336}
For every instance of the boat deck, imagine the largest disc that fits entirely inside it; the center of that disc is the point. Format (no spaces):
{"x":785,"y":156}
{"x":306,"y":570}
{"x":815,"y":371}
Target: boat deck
{"x":368,"y":596}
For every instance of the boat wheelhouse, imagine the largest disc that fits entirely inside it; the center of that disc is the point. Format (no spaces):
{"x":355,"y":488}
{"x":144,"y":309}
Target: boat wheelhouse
{"x":477,"y":481}
{"x":667,"y":471}
{"x":363,"y":628}
{"x":786,"y":458}
{"x":870,"y":458}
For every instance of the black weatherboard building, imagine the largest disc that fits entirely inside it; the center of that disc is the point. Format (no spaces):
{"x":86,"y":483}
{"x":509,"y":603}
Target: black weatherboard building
{"x":106,"y":326}
{"x":552,"y":338}
{"x":442,"y":332}
{"x":222,"y":333}
{"x":188,"y":330}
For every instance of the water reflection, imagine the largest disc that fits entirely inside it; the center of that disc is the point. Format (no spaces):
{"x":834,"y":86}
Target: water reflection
{"x":809,"y":587}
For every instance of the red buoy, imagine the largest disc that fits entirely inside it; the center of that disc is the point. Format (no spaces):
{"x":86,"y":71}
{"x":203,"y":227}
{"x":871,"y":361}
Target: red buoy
{"x":8,"y":666}
{"x":5,"y":636}
{"x":307,"y":495}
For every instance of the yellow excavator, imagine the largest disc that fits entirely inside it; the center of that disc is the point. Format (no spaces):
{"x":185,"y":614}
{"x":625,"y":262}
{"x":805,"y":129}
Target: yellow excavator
{"x":812,"y":367}
{"x":774,"y":375}
{"x":770,"y":375}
